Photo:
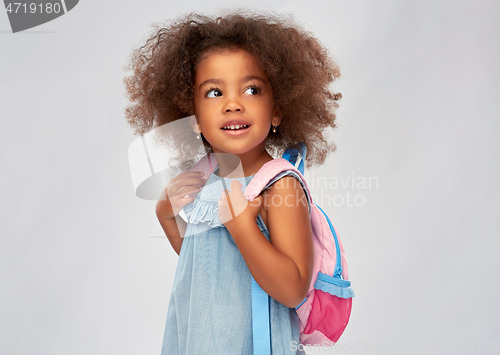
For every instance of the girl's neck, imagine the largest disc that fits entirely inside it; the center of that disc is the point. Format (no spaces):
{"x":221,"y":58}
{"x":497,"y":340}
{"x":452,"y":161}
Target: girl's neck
{"x":229,"y":164}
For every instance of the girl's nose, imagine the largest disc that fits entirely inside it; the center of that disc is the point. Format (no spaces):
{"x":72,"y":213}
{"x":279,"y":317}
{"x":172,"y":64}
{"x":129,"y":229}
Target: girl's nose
{"x":233,"y":104}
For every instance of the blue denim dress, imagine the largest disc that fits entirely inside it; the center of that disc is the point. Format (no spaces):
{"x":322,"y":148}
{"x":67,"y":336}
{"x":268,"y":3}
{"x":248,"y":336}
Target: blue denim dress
{"x":210,"y":309}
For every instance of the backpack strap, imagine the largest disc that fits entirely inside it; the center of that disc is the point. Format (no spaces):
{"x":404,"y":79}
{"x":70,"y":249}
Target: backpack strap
{"x":292,"y":155}
{"x":207,"y":165}
{"x":261,"y":322}
{"x":269,"y":173}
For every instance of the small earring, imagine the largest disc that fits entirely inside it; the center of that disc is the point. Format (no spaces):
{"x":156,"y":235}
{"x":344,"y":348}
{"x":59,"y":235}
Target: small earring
{"x":198,"y":136}
{"x":274,"y":129}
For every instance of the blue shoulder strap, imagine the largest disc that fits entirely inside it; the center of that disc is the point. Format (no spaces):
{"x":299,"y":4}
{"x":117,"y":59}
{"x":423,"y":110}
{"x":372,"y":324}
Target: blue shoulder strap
{"x":260,"y":320}
{"x":261,"y":324}
{"x":292,"y":155}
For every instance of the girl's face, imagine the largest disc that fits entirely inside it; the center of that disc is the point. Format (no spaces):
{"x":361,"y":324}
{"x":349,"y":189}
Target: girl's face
{"x":230,"y":90}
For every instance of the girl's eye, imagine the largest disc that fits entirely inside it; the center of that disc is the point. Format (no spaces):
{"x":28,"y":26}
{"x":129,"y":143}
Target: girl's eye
{"x":253,"y":90}
{"x":212,"y":92}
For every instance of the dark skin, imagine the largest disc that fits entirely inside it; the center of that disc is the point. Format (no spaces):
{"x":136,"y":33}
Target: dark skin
{"x":283,"y":265}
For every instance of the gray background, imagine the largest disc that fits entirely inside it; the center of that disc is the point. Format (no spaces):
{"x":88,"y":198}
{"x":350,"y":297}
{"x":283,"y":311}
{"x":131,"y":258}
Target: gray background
{"x":82,"y":269}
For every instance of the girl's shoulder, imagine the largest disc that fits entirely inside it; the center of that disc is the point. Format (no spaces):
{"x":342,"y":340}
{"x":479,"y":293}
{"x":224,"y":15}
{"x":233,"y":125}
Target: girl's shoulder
{"x":285,"y":185}
{"x":285,"y":194}
{"x":284,"y":189}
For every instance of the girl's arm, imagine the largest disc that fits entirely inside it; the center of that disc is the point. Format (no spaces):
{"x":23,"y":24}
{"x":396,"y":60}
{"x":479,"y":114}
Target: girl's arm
{"x":282,"y":267}
{"x":174,"y":229}
{"x":176,"y":194}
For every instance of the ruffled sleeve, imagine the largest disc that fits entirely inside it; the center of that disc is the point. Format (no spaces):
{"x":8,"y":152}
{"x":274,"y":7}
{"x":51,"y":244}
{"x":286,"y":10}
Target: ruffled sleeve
{"x":203,"y":211}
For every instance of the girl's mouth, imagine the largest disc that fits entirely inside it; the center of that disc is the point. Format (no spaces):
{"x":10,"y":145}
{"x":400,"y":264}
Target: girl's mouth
{"x":235,"y":130}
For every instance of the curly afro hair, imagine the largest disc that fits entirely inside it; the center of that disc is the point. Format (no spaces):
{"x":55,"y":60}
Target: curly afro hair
{"x":297,"y":66}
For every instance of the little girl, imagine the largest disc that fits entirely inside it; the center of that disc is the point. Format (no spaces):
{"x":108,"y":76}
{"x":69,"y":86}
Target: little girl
{"x":256,"y":85}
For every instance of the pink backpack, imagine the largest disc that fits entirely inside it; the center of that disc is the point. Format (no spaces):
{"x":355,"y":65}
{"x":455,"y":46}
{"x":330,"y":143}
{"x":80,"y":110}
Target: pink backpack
{"x":325,"y":311}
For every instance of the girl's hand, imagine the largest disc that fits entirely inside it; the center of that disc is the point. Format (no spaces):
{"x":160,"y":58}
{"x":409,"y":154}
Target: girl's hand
{"x":242,"y":210}
{"x":173,"y":197}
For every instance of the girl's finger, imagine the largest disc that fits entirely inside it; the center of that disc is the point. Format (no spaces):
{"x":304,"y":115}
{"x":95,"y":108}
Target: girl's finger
{"x":183,"y":189}
{"x":186,"y":201}
{"x":188,"y":182}
{"x":236,"y":185}
{"x":186,"y":190}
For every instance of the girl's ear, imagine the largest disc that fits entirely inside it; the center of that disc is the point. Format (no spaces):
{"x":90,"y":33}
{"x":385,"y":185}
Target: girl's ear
{"x":193,"y":122}
{"x":276,"y":117}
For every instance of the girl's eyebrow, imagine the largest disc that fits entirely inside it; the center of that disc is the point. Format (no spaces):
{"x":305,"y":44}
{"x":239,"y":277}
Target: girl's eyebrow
{"x":243,"y":80}
{"x":215,"y":81}
{"x":252,"y":77}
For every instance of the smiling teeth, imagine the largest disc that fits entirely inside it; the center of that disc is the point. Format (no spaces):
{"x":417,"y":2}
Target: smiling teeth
{"x":236,"y":127}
